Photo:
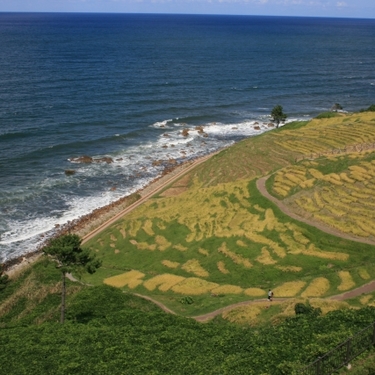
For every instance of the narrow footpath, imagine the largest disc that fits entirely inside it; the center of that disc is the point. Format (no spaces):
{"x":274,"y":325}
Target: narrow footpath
{"x":261,"y":186}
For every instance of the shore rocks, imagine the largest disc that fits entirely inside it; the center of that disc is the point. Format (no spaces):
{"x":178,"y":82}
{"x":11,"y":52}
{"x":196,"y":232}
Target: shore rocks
{"x":104,"y":159}
{"x":82,"y":159}
{"x":156,"y":163}
{"x":85,"y":159}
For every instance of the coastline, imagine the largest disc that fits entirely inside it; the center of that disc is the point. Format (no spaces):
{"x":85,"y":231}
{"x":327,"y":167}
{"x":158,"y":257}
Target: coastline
{"x":89,"y":225}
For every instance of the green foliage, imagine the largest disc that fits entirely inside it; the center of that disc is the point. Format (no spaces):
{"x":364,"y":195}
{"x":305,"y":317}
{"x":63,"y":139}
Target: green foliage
{"x":106,"y":337}
{"x":187,"y":300}
{"x":295,"y":125}
{"x":371,"y":108}
{"x":67,"y":251}
{"x":327,"y":115}
{"x":340,"y":164}
{"x":307,"y":309}
{"x":364,"y":365}
{"x":278,"y":115}
{"x":97,"y":303}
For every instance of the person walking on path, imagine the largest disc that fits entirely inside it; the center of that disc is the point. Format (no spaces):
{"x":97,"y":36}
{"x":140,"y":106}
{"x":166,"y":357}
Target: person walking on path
{"x":270,"y":295}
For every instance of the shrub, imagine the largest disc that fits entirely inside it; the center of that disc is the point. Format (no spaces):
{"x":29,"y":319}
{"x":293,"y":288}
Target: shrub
{"x":327,"y":115}
{"x":186,"y":300}
{"x":306,"y":309}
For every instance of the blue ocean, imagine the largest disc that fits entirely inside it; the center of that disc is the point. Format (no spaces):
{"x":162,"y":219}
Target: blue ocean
{"x":124,"y":86}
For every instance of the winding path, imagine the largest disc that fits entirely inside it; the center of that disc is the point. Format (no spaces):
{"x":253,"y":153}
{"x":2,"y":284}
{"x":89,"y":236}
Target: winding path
{"x":367,"y":288}
{"x":261,"y":186}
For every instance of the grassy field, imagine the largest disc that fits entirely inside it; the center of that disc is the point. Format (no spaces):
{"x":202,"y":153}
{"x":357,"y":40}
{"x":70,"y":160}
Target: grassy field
{"x":211,"y":236}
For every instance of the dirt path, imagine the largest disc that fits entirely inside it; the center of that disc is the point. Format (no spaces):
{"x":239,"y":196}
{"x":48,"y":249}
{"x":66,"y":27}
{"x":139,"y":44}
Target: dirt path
{"x":261,"y":185}
{"x":367,"y":288}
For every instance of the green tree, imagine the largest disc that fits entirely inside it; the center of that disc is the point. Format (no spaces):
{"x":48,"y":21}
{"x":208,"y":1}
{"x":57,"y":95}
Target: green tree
{"x":278,"y":115}
{"x":67,"y":252}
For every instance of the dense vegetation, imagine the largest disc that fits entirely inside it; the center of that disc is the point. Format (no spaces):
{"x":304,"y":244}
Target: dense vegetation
{"x":109,"y":332}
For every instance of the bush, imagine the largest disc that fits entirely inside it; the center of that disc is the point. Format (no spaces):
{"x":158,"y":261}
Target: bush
{"x":306,"y":309}
{"x":186,"y":300}
{"x":369,"y":109}
{"x":327,"y":115}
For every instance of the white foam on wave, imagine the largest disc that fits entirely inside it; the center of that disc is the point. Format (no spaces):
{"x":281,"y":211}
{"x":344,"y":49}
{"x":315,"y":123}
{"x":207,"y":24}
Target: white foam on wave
{"x":161,"y":124}
{"x":136,"y":164}
{"x":31,"y":229}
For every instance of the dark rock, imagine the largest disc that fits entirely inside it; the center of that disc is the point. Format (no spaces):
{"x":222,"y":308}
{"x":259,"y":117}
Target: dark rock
{"x":82,"y":159}
{"x":104,"y":159}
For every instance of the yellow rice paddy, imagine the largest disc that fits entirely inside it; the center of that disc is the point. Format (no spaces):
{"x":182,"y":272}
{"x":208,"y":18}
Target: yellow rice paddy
{"x":328,"y":305}
{"x":236,"y":258}
{"x":313,"y":251}
{"x":363,"y":274}
{"x":147,"y":227}
{"x":194,"y":286}
{"x":170,"y":264}
{"x":265,"y":258}
{"x":221,"y":267}
{"x":162,"y":243}
{"x":203,"y":252}
{"x":289,"y":268}
{"x":130,"y":279}
{"x":163,"y":282}
{"x":346,"y":281}
{"x":365,"y":299}
{"x":243,"y":314}
{"x":194,"y":267}
{"x":289,"y":289}
{"x":179,"y":247}
{"x":317,"y":288}
{"x":227,"y":289}
{"x":254,"y":292}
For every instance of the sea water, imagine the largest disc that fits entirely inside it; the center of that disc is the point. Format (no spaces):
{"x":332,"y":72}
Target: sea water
{"x":124,"y":86}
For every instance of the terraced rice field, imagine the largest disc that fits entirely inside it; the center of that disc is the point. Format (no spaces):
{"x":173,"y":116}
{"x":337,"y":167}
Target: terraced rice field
{"x":219,"y":237}
{"x":343,"y":199}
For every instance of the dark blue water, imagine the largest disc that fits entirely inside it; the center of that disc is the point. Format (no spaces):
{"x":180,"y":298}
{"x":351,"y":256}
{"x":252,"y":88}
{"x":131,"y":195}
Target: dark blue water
{"x":124,"y":86}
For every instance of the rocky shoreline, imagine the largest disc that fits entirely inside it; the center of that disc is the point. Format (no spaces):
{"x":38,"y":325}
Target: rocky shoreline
{"x":86,"y":223}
